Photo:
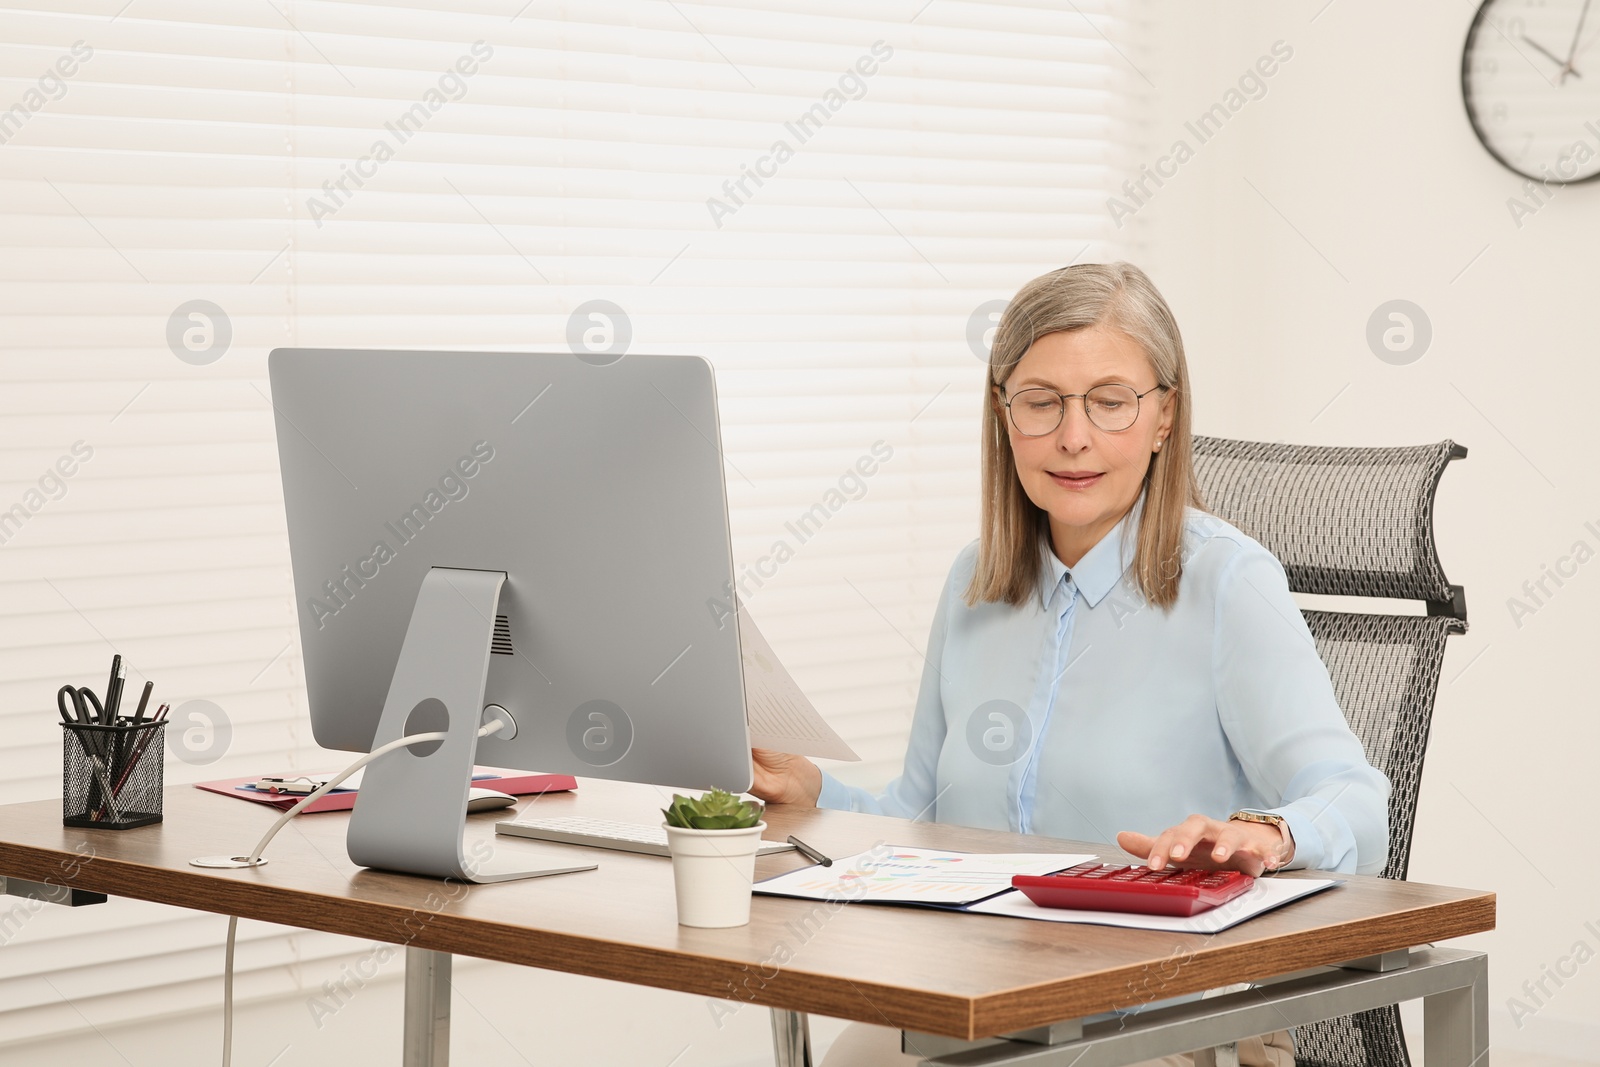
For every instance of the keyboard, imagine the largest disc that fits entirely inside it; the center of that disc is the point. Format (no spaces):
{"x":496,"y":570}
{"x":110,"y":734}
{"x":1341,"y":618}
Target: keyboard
{"x":1113,"y":887}
{"x":603,"y":833}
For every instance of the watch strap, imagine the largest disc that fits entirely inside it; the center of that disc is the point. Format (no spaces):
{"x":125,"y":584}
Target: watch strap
{"x":1257,"y":815}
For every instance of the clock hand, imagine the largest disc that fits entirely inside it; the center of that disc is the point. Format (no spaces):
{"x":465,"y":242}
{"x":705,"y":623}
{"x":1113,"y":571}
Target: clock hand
{"x":1566,"y":68}
{"x":1549,"y":54}
{"x":1518,"y":50}
{"x":1584,"y":47}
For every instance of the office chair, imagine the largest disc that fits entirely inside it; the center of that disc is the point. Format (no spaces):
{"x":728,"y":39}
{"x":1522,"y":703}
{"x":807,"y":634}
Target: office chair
{"x":1356,"y":522}
{"x":1351,"y":522}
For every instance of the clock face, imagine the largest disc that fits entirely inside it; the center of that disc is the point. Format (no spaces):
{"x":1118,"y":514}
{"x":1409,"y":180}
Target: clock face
{"x":1531,"y":79}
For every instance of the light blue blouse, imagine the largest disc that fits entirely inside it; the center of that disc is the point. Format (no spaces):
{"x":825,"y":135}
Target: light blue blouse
{"x":1086,"y":711}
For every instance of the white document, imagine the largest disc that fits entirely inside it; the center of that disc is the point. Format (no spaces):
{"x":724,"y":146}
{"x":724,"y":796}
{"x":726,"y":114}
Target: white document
{"x":904,"y":875}
{"x":1266,"y":894}
{"x":780,"y":716}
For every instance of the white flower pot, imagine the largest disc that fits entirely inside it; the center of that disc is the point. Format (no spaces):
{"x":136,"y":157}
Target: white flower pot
{"x":712,"y":871}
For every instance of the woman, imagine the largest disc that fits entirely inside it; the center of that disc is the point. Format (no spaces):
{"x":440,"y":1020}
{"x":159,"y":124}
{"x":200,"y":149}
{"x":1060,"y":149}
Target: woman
{"x":1106,"y":656}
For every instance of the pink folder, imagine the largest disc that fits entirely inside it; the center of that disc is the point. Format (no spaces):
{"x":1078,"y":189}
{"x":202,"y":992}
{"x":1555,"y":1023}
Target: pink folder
{"x":514,"y":782}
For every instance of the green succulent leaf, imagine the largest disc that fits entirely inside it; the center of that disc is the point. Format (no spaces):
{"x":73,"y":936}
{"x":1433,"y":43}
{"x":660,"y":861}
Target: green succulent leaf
{"x":716,"y":810}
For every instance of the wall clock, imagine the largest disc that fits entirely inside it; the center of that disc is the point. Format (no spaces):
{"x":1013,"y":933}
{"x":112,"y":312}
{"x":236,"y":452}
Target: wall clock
{"x":1530,"y":76}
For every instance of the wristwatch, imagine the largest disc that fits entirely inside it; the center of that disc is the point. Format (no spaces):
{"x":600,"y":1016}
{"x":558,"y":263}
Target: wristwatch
{"x":1286,"y":853}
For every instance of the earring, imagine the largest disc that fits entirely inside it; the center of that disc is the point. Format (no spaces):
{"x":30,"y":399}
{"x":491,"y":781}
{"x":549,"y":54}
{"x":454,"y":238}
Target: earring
{"x":1158,"y":443}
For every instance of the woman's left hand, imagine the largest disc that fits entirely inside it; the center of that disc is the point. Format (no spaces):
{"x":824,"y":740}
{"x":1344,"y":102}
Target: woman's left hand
{"x":1212,"y":844}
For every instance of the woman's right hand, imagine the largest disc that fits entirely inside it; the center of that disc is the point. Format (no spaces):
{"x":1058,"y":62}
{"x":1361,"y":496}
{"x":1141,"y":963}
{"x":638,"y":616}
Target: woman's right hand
{"x":782,"y":778}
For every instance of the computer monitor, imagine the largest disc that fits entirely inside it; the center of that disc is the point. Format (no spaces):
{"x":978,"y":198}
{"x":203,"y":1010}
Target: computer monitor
{"x":533,"y":531}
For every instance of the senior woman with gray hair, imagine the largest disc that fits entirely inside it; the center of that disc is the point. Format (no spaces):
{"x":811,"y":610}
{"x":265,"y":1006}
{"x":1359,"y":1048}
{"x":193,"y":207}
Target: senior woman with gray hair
{"x":1143,"y":660}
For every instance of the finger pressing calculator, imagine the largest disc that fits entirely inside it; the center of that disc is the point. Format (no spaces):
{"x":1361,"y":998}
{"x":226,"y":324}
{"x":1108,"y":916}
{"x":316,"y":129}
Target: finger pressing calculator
{"x":1115,"y":887}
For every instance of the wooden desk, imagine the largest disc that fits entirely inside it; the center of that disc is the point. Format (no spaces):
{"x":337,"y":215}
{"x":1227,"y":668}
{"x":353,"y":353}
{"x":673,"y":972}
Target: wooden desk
{"x":960,"y":977}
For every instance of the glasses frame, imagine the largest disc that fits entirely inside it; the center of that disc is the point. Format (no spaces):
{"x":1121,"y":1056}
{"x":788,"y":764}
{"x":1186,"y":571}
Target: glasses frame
{"x":1138,"y":406}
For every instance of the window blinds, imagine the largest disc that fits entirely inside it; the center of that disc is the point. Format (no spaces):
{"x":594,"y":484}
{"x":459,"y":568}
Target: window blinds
{"x":826,"y":199}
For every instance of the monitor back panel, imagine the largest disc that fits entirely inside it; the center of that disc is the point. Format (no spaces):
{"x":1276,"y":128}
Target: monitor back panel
{"x":597,"y":489}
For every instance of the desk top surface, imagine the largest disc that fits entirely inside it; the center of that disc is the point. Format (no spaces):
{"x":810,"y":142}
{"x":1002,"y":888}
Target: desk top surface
{"x":963,"y":976}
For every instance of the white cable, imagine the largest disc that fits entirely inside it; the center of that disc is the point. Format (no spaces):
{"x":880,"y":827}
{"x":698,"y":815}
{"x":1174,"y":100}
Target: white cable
{"x":283,"y":820}
{"x":227,"y":994}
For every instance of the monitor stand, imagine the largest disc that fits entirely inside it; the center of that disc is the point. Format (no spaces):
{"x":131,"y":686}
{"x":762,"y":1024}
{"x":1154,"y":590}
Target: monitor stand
{"x":411,"y":810}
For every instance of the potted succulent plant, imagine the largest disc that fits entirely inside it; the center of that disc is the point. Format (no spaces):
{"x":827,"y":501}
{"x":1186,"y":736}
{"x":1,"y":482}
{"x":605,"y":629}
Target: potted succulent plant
{"x":713,"y":840}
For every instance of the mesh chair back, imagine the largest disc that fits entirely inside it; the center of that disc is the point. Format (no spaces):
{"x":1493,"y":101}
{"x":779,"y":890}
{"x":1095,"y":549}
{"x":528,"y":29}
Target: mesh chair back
{"x":1356,"y":522}
{"x":1342,"y":521}
{"x":1385,"y":672}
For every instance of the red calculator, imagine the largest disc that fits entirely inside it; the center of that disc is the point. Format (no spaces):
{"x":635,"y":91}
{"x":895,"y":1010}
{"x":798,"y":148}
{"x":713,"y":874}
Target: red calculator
{"x":1113,"y":887}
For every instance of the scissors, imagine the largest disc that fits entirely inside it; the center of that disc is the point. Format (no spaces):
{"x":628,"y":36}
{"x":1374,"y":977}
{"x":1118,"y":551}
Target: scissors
{"x":83,"y":699}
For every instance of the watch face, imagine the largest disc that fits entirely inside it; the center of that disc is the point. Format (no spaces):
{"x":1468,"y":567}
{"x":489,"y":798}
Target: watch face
{"x":1531,"y":79}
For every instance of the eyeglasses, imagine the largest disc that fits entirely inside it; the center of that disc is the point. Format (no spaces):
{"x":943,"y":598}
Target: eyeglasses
{"x":1036,"y":412}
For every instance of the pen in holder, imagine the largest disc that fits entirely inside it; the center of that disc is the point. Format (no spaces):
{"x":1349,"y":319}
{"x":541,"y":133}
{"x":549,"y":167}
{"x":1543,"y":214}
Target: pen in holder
{"x":111,"y":776}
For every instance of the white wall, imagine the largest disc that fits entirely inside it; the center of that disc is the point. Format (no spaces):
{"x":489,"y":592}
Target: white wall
{"x":1359,"y":161}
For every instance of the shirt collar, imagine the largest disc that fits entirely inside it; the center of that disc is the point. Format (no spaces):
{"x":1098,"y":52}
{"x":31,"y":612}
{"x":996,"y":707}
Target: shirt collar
{"x":1101,"y":568}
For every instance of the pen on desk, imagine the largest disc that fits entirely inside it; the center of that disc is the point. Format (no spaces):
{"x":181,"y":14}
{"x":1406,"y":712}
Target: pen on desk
{"x":111,"y":683}
{"x":144,"y":702}
{"x":810,"y":853}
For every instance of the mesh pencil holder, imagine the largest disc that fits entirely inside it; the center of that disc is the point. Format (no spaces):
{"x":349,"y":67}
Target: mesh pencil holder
{"x":111,"y":776}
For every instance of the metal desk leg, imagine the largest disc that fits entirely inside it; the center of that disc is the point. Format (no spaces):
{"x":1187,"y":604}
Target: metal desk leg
{"x":427,"y":1025}
{"x":791,"y":1038}
{"x":1455,"y":1023}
